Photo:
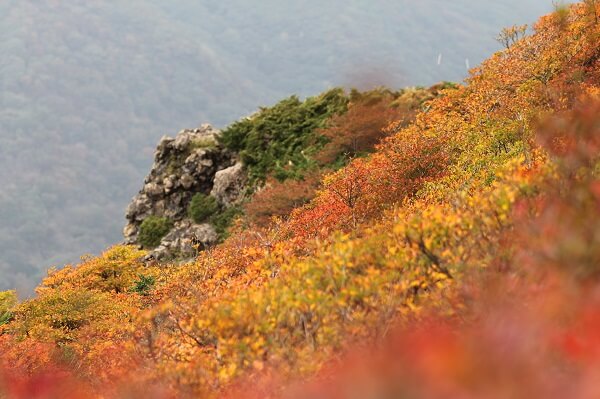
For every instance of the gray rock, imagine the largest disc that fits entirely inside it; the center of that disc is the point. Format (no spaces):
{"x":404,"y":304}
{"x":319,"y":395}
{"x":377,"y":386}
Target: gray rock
{"x":159,"y":207}
{"x":169,"y":183}
{"x":229,"y":184}
{"x":178,"y":243}
{"x":129,"y":232}
{"x":153,"y":190}
{"x":139,"y":207}
{"x":186,"y":181}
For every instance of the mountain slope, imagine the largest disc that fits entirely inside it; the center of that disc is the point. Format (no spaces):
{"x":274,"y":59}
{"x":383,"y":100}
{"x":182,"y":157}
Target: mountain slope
{"x":89,"y":87}
{"x":482,"y":214}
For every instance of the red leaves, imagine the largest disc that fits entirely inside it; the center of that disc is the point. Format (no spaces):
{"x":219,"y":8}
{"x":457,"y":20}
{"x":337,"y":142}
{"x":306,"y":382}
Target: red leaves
{"x":367,"y":186}
{"x":278,"y":199}
{"x":46,"y":385}
{"x":573,"y":136}
{"x":581,"y":341}
{"x":361,"y":128}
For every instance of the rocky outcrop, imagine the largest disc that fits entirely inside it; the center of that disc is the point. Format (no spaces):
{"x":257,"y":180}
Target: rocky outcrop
{"x":191,"y":162}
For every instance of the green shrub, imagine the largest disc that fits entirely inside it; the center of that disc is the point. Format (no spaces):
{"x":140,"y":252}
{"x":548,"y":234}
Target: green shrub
{"x":152,"y":230}
{"x":144,"y":285}
{"x":202,"y":207}
{"x":282,"y":138}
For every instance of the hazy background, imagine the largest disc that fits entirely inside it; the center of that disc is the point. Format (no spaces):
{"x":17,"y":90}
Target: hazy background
{"x":88,"y":87}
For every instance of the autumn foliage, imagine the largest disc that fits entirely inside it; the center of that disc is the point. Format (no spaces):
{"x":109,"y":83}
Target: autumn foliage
{"x":348,"y":135}
{"x":459,"y":259}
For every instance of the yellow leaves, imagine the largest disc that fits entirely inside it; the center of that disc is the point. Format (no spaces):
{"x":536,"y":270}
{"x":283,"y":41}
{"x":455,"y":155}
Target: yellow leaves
{"x":60,"y":316}
{"x":253,"y":251}
{"x":85,"y":309}
{"x":303,"y":303}
{"x":343,"y":287}
{"x":227,"y":372}
{"x":436,"y":276}
{"x":113,"y":271}
{"x":417,"y":284}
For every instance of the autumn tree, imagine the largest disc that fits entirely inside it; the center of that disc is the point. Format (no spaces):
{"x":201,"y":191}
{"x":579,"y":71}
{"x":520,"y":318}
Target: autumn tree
{"x":592,"y":9}
{"x":349,"y":187}
{"x":360,"y":129}
{"x":510,"y":36}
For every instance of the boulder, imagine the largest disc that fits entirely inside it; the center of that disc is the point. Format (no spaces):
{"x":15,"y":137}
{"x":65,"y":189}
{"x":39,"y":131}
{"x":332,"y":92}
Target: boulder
{"x":153,"y":189}
{"x":177,"y":243}
{"x":229,"y":184}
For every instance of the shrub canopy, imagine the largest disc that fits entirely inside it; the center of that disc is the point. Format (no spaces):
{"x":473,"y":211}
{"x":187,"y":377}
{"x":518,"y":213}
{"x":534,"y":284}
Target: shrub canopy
{"x":153,"y":229}
{"x":281,"y":138}
{"x":202,"y":207}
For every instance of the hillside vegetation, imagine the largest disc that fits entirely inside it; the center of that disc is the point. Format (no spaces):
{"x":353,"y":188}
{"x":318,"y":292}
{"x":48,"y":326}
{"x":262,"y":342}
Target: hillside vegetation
{"x":89,"y":87}
{"x":289,"y":147}
{"x":461,"y":258}
{"x":260,"y":167}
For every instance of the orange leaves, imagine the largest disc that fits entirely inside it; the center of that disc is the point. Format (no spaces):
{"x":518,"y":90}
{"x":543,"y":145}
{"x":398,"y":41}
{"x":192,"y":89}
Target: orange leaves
{"x":342,"y":202}
{"x":24,"y":357}
{"x":348,"y":185}
{"x":511,"y":35}
{"x":415,"y":157}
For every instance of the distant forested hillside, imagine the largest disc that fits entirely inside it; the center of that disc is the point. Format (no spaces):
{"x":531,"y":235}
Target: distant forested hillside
{"x":87,"y":87}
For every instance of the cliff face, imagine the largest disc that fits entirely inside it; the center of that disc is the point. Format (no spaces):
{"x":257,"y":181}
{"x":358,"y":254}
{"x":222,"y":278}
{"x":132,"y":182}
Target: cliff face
{"x":192,"y":162}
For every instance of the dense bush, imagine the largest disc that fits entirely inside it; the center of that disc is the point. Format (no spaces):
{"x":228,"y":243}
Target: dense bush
{"x":358,"y":131}
{"x":222,"y":221}
{"x":152,"y":230}
{"x":71,"y":309}
{"x":115,"y":270}
{"x":281,"y":139}
{"x":278,"y":199}
{"x":202,"y":207}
